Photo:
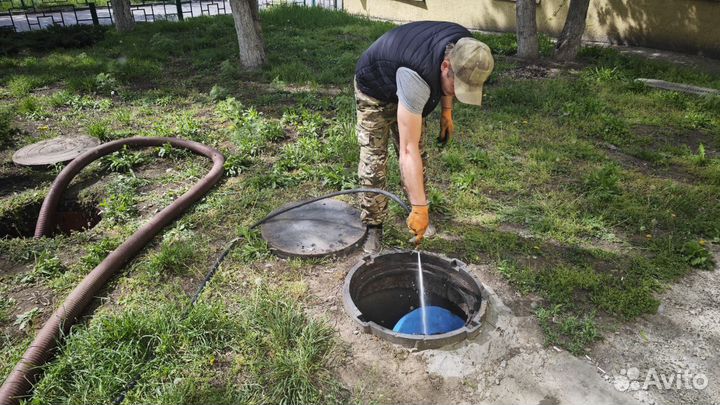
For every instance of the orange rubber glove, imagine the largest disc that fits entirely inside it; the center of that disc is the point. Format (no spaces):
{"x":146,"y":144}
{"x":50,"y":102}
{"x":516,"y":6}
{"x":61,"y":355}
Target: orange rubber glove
{"x":447,"y":127}
{"x":418,"y":221}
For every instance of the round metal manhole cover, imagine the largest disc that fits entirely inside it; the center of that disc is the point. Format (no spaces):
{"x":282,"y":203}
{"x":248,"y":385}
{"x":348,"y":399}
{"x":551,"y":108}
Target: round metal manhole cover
{"x":53,"y":151}
{"x":325,"y":227}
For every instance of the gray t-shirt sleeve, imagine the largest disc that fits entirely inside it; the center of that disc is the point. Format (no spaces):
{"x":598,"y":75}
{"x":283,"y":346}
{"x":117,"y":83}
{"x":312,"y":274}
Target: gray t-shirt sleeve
{"x":412,"y":91}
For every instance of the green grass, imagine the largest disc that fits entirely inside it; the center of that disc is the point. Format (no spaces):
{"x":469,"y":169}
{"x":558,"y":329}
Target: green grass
{"x":587,"y":190}
{"x":279,"y":355}
{"x":46,"y":267}
{"x":6,"y":305}
{"x":570,"y":331}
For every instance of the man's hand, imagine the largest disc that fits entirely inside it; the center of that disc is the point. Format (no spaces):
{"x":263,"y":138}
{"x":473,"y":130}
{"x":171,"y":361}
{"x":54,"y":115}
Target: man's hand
{"x":447,"y":128}
{"x":418,"y":221}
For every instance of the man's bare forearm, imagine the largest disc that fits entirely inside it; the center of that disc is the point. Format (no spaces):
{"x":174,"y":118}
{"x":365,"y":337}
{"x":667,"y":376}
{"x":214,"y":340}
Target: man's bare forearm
{"x":411,"y":168}
{"x":411,"y":165}
{"x":447,"y":102}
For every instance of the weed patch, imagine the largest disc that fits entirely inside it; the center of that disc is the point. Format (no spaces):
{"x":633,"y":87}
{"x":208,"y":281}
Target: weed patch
{"x":570,"y":331}
{"x":46,"y":267}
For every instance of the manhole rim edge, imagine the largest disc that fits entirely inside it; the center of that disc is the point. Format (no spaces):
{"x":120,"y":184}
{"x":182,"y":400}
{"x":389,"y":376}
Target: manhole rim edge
{"x":419,"y":342}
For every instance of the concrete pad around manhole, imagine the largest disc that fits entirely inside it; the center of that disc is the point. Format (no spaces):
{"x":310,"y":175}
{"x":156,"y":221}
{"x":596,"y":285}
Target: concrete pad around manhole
{"x":325,"y":227}
{"x":509,"y":363}
{"x":52,"y":151}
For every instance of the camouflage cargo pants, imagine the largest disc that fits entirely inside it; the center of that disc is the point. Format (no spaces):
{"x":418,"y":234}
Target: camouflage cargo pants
{"x":376,"y":125}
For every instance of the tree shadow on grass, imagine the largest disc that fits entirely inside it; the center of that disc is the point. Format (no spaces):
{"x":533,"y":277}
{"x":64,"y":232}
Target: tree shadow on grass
{"x":182,"y":58}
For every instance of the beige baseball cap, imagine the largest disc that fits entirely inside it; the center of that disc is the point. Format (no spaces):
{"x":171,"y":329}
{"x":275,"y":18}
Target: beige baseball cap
{"x":472,"y":63}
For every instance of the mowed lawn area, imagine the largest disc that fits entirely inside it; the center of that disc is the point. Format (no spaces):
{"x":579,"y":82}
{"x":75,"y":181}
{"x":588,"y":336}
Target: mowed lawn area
{"x":580,"y":186}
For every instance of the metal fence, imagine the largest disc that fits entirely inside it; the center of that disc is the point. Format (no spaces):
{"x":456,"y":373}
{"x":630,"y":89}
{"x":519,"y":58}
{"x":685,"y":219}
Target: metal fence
{"x":30,"y":15}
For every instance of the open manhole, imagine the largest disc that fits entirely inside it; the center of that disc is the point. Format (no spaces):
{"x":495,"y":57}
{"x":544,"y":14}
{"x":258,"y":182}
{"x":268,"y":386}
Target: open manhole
{"x":382,"y":289}
{"x":72,"y":216}
{"x":325,"y":227}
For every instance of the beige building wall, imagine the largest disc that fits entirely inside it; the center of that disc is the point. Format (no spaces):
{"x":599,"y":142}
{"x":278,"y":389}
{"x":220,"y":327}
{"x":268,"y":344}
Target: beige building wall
{"x":691,"y":26}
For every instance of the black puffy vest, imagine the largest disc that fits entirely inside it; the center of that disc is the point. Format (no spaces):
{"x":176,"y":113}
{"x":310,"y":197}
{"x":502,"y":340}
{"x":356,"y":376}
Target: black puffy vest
{"x":419,"y":46}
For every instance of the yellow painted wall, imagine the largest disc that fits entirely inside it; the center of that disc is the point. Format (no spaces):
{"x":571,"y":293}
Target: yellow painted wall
{"x":683,"y":25}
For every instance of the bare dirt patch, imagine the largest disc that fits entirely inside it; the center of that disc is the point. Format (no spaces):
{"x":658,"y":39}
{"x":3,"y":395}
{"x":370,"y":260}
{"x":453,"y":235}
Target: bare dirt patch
{"x":657,"y":138}
{"x":24,"y":297}
{"x":684,"y":336}
{"x":671,"y":171}
{"x":669,"y":142}
{"x":532,"y":72}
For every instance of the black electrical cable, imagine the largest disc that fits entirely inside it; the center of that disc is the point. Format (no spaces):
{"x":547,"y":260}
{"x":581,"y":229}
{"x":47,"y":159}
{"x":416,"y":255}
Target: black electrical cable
{"x":216,"y":265}
{"x":273,"y":214}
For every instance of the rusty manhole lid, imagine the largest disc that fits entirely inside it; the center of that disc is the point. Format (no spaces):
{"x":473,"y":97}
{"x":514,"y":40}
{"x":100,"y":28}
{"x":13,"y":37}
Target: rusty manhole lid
{"x":325,"y":227}
{"x":53,"y":151}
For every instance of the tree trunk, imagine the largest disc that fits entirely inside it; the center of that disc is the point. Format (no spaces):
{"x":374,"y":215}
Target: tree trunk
{"x":249,"y":33}
{"x":527,"y":36}
{"x":122,"y":15}
{"x":568,"y":44}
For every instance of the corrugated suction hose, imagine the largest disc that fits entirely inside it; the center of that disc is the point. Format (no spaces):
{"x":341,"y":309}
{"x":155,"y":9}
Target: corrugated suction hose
{"x":20,"y":380}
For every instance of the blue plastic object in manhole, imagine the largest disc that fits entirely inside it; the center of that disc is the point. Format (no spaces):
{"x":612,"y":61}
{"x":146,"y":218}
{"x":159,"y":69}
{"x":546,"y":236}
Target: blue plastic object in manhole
{"x":438,"y":319}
